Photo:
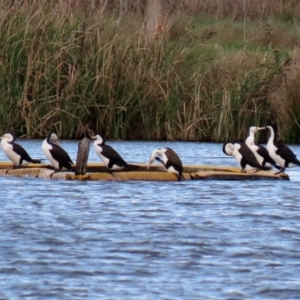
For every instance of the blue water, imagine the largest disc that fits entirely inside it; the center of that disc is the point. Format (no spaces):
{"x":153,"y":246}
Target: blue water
{"x":150,"y":240}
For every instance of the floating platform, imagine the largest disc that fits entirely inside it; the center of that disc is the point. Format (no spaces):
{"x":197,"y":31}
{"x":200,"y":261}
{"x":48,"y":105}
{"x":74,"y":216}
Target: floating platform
{"x":97,"y":171}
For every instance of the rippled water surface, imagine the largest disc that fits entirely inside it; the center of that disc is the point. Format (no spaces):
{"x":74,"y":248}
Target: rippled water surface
{"x":150,"y":240}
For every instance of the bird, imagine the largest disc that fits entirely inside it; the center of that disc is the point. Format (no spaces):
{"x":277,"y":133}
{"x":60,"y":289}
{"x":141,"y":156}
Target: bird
{"x":57,"y":156}
{"x":110,"y":157}
{"x":261,"y":153}
{"x":16,"y":153}
{"x":244,"y":156}
{"x":228,"y":149}
{"x":169,"y":159}
{"x":281,"y":153}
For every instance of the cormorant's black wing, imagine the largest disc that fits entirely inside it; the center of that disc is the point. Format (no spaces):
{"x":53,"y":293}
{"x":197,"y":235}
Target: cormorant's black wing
{"x":286,"y":153}
{"x":263,"y":152}
{"x":174,"y":160}
{"x":22,"y":152}
{"x":248,"y":156}
{"x":61,"y":156}
{"x":113,"y":155}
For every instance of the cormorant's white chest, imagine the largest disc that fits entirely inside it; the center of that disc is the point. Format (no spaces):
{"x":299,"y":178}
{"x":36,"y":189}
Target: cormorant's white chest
{"x":277,"y":158}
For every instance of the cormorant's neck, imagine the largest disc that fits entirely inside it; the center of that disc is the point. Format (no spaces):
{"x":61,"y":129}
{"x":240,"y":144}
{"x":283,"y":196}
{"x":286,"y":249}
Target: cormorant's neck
{"x":272,"y":136}
{"x":250,"y":139}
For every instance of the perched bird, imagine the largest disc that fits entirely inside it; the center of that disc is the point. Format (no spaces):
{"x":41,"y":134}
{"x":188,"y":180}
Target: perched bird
{"x":57,"y":156}
{"x":169,"y":159}
{"x":16,"y":153}
{"x":261,"y":153}
{"x":228,"y":149}
{"x":111,"y":158}
{"x":280,"y":153}
{"x":244,"y":156}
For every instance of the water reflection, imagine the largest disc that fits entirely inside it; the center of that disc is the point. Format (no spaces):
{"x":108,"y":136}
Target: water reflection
{"x":149,"y":240}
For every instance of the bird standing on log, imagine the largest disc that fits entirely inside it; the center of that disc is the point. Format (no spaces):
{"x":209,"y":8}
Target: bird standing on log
{"x":169,"y":159}
{"x":244,"y":156}
{"x":16,"y":153}
{"x":281,"y":153}
{"x":261,"y":153}
{"x":110,"y":157}
{"x":58,"y":157}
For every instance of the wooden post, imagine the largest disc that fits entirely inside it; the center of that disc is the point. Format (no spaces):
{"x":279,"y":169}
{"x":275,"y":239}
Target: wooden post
{"x":155,"y":16}
{"x":82,"y":156}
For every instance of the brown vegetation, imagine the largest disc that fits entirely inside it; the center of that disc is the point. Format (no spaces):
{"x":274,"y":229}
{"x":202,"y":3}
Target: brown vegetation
{"x":216,"y":69}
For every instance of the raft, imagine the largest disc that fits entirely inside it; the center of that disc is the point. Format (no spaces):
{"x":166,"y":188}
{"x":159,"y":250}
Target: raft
{"x":98,"y":171}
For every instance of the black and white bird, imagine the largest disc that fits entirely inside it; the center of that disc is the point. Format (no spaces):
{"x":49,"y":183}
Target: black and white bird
{"x":58,"y":157}
{"x":16,"y":153}
{"x":281,"y":153}
{"x":228,"y":150}
{"x":244,"y":156}
{"x":110,"y":157}
{"x":169,"y":159}
{"x":261,"y":153}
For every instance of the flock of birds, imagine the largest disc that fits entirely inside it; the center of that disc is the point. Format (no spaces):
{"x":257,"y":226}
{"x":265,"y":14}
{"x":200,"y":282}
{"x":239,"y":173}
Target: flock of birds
{"x":60,"y":159}
{"x":248,"y":154}
{"x":252,"y":156}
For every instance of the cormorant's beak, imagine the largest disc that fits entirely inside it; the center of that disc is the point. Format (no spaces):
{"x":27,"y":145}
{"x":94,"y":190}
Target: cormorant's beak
{"x":150,"y":163}
{"x":93,"y":138}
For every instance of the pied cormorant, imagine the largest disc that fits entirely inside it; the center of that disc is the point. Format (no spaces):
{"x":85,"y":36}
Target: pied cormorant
{"x":110,"y":157}
{"x":15,"y":152}
{"x":169,"y":159}
{"x":261,"y":153}
{"x":280,"y":153}
{"x":244,"y":156}
{"x":58,"y":157}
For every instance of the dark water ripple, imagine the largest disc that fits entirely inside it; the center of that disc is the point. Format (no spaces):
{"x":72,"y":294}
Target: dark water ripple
{"x":150,"y":240}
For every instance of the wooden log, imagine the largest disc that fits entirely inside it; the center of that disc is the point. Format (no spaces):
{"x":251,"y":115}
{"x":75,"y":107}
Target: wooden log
{"x":97,"y":171}
{"x":223,"y":175}
{"x":82,"y":156}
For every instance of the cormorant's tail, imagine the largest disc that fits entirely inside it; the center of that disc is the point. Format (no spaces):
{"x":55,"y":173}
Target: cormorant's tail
{"x":36,"y":161}
{"x":131,"y":167}
{"x":265,"y":168}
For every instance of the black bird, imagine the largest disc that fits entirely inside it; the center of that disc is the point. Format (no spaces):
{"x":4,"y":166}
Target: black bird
{"x":16,"y":153}
{"x":57,"y":156}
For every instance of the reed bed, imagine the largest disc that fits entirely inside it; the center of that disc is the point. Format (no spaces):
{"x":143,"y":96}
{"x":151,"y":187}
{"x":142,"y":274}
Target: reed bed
{"x":89,"y":69}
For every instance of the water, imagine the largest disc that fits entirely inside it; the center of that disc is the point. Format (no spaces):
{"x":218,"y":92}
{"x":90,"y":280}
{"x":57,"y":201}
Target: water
{"x":150,"y":240}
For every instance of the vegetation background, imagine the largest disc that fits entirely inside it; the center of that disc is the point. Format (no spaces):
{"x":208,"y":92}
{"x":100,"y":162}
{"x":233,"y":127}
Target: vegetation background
{"x":204,"y":70}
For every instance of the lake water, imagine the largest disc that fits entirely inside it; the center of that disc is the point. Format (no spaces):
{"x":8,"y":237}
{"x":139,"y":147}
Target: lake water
{"x":150,"y":240}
